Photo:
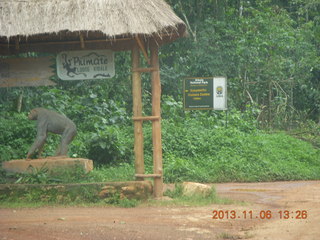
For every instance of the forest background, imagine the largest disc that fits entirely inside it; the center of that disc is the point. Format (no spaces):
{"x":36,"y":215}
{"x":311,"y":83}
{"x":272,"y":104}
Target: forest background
{"x":269,"y":50}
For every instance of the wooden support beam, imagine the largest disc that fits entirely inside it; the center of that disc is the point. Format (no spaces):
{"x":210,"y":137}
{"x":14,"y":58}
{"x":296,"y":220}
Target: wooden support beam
{"x":82,"y":41}
{"x":17,"y":45}
{"x":148,"y":175}
{"x":37,"y":44}
{"x":137,"y":112}
{"x":156,"y":125}
{"x":144,"y":69}
{"x":59,"y":46}
{"x":143,"y":49}
{"x":48,"y":43}
{"x":146,"y":118}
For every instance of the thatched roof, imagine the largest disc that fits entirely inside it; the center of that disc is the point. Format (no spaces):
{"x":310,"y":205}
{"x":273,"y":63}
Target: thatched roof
{"x":44,"y":20}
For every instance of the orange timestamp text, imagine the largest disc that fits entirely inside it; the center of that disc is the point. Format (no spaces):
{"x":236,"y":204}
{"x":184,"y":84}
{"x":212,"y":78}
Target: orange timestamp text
{"x":261,"y":215}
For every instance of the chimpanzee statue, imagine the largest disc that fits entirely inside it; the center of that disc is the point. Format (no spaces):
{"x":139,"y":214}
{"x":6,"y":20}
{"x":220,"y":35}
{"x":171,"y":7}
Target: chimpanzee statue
{"x":50,"y":121}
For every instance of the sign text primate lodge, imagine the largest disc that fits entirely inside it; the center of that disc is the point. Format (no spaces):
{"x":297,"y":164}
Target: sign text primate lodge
{"x":83,"y":65}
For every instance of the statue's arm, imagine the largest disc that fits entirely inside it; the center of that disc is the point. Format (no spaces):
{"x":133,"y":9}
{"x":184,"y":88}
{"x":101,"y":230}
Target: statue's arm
{"x":40,"y":139}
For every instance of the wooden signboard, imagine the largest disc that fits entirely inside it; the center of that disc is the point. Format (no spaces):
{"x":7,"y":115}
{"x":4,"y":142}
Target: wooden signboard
{"x":85,"y":65}
{"x":26,"y":72}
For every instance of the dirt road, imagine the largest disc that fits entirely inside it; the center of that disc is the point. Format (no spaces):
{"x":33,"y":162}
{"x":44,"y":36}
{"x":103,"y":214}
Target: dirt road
{"x":278,"y":210}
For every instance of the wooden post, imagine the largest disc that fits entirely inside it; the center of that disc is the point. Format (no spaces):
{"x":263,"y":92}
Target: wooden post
{"x":156,"y":124}
{"x":82,"y":41}
{"x":137,"y":112}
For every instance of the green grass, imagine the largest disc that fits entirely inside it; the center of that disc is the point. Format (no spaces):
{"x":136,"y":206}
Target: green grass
{"x":205,"y":154}
{"x":177,"y":198}
{"x":41,"y":192}
{"x":122,"y":172}
{"x":198,"y":150}
{"x":213,"y":155}
{"x":38,"y":195}
{"x":88,"y":196}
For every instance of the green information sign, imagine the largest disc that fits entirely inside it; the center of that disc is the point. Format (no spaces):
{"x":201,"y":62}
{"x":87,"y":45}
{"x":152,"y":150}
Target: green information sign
{"x":205,"y":93}
{"x":198,"y":93}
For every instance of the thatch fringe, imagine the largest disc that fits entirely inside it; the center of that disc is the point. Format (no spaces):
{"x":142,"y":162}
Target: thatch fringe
{"x":111,"y":17}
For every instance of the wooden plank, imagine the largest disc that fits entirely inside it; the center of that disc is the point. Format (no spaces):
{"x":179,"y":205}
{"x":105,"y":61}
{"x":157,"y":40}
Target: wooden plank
{"x":144,"y":69}
{"x":26,"y":72}
{"x":143,"y":49}
{"x":55,"y":43}
{"x":146,"y":118}
{"x":118,"y":44}
{"x":156,"y":125}
{"x":137,"y":111}
{"x":55,"y":47}
{"x":148,"y":175}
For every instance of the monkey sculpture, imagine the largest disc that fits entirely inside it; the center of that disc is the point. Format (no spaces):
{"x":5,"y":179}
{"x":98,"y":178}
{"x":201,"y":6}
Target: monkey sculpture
{"x":50,"y":121}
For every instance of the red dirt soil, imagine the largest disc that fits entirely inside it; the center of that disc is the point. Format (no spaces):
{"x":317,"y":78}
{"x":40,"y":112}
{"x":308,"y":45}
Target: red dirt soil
{"x":301,"y":199}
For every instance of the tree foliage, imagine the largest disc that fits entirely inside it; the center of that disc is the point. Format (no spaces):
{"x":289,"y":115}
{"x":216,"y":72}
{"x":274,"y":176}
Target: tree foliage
{"x":269,"y":51}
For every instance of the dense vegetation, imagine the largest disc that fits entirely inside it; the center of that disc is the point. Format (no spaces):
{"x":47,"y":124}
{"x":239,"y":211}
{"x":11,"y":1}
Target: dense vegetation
{"x":270,"y":52}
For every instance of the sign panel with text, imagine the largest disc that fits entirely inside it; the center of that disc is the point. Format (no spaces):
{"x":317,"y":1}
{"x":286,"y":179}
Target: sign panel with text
{"x":205,"y":93}
{"x":85,"y":65}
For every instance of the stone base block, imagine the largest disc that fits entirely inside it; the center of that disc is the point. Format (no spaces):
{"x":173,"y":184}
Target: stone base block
{"x":51,"y":163}
{"x":193,"y":188}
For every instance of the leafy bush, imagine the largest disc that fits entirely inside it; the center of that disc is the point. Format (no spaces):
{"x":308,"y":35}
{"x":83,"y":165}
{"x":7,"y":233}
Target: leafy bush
{"x":110,"y":145}
{"x":17,"y":134}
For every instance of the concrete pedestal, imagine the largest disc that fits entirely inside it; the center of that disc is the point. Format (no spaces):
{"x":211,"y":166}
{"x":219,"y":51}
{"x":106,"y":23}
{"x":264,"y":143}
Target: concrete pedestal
{"x":24,"y":166}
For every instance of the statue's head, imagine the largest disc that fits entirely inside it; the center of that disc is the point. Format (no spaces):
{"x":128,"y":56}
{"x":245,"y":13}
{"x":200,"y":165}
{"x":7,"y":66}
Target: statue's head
{"x":33,"y":115}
